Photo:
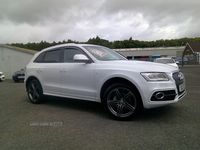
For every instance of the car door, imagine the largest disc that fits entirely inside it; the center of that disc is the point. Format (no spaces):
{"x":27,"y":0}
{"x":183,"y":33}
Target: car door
{"x":77,"y":78}
{"x":48,"y":72}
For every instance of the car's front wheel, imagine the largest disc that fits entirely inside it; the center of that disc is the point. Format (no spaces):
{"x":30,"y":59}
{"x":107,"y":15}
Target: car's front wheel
{"x":121,"y":101}
{"x":35,"y":92}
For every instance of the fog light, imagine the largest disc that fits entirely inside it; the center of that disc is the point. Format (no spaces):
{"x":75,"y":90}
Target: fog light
{"x":169,"y":95}
{"x":160,"y":95}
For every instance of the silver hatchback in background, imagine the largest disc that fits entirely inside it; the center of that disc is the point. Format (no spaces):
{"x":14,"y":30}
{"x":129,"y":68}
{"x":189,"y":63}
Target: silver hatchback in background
{"x":167,"y":60}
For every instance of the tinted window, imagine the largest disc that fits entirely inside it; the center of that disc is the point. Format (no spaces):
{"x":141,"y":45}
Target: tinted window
{"x":69,"y":54}
{"x":39,"y":58}
{"x":52,"y":56}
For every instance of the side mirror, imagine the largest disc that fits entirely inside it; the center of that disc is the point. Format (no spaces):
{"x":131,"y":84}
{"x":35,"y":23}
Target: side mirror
{"x":177,"y":62}
{"x":81,"y":58}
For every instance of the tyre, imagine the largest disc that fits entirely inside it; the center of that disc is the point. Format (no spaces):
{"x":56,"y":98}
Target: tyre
{"x":121,"y":101}
{"x":16,"y":81}
{"x":35,"y":92}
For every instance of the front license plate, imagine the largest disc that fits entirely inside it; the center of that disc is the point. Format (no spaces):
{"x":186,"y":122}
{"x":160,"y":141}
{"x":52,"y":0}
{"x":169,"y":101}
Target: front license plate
{"x":181,"y":87}
{"x":20,"y":77}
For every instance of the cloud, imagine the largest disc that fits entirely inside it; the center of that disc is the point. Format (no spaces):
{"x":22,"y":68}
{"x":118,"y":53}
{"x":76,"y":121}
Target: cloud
{"x":50,"y":20}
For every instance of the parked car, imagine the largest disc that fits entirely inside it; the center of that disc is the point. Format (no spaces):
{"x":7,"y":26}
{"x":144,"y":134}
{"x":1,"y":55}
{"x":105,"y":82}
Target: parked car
{"x":2,"y":76}
{"x":181,"y":60}
{"x":168,"y":61}
{"x":19,"y":75}
{"x":96,"y":73}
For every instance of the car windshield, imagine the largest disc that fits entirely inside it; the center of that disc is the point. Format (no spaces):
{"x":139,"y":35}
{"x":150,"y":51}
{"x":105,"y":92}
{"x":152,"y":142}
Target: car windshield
{"x":165,"y":61}
{"x":104,"y":54}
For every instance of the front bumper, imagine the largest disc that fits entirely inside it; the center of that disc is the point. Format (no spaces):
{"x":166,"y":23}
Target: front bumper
{"x":2,"y":77}
{"x":156,"y":94}
{"x":17,"y":77}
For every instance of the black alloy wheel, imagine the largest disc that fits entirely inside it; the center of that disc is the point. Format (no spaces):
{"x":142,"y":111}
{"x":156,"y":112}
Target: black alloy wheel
{"x":121,"y":101}
{"x":35,"y":92}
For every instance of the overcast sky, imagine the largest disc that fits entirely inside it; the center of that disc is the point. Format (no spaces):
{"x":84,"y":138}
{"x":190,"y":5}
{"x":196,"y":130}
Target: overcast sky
{"x":23,"y":21}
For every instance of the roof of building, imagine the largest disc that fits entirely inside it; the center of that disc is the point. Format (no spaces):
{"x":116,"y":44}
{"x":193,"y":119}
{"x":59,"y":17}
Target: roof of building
{"x":19,"y":49}
{"x":195,"y":46}
{"x":151,"y":48}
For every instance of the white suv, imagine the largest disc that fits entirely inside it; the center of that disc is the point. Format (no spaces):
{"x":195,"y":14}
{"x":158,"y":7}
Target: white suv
{"x":96,"y":73}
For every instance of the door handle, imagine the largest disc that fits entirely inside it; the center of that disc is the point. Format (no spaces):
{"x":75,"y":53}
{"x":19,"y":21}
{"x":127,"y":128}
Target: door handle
{"x":63,"y":70}
{"x":39,"y":70}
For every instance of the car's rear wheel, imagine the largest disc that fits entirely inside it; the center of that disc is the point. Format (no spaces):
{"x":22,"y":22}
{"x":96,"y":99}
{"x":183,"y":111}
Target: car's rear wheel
{"x":35,"y":92}
{"x":121,"y":101}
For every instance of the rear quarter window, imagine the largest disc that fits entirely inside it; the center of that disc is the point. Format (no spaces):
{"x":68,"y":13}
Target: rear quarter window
{"x":52,"y":56}
{"x":39,"y":58}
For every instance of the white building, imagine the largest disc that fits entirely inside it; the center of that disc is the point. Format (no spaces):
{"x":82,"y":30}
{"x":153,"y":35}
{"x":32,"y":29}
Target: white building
{"x":13,"y":59}
{"x":136,"y":53}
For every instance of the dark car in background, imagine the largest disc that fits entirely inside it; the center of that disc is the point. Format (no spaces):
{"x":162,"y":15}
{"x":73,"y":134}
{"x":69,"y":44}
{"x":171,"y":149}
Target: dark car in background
{"x":19,"y":75}
{"x":182,"y":61}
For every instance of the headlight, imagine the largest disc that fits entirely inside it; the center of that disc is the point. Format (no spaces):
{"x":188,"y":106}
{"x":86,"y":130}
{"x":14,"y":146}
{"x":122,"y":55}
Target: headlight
{"x":155,"y":76}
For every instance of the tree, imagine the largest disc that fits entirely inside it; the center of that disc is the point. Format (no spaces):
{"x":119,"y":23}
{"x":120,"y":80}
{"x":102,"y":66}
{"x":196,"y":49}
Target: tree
{"x":113,"y":45}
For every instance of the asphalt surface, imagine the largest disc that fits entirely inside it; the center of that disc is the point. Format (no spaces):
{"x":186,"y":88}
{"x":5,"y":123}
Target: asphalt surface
{"x":68,"y":124}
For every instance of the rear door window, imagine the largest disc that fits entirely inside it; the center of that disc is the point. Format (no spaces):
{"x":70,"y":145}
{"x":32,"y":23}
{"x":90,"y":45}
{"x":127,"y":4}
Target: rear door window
{"x":52,"y":56}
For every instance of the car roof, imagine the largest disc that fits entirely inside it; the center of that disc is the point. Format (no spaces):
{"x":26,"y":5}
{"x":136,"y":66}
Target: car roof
{"x":67,"y":44}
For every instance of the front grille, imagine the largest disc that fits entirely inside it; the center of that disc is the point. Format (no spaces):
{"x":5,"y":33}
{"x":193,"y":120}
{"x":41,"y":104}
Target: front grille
{"x":179,"y":79}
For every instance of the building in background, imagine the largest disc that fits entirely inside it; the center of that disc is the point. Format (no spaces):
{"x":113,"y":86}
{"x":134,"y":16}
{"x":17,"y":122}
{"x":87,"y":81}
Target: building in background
{"x":13,"y":59}
{"x":145,"y":53}
{"x":192,"y":52}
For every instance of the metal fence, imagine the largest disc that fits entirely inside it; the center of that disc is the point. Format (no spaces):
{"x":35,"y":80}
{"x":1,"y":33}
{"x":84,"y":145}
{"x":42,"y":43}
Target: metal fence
{"x":186,"y":60}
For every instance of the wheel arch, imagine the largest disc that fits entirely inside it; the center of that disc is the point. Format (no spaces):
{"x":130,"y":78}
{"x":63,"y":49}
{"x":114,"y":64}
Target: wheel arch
{"x":113,"y":80}
{"x":32,"y":78}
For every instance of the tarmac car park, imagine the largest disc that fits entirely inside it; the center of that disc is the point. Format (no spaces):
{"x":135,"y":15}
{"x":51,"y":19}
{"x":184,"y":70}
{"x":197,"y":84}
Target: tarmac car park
{"x":85,"y":125}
